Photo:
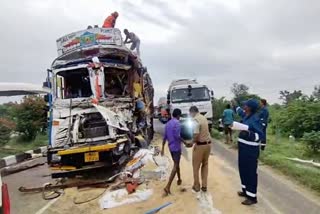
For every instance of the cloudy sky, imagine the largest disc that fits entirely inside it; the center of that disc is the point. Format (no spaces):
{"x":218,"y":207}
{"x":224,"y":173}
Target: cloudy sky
{"x":268,"y":45}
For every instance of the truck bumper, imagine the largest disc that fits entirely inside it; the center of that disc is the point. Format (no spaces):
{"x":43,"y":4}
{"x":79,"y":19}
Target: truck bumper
{"x":78,"y":157}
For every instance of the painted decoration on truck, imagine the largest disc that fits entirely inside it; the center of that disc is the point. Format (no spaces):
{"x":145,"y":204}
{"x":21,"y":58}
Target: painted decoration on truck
{"x":87,"y":38}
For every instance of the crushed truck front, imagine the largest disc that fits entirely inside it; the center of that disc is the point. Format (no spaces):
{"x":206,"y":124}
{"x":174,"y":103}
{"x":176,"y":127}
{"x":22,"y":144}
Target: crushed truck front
{"x":101,"y":102}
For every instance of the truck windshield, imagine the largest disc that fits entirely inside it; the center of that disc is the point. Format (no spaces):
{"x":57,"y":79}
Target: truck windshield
{"x":73,"y":84}
{"x":190,"y":95}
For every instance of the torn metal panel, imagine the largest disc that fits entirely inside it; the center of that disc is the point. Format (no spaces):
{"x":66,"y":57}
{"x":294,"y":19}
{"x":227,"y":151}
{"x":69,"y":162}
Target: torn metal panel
{"x":113,"y":119}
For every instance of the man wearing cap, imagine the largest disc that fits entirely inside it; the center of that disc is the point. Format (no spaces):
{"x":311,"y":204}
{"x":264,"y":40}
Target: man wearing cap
{"x":248,"y":150}
{"x":110,"y":21}
{"x":201,"y":149}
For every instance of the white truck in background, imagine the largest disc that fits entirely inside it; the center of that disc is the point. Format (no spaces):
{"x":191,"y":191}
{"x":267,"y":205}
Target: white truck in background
{"x":183,"y":94}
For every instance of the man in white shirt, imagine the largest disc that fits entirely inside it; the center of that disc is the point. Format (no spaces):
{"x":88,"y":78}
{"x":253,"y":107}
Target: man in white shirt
{"x":134,"y":39}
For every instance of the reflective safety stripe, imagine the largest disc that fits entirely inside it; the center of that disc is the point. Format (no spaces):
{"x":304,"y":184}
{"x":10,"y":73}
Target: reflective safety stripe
{"x":251,"y":143}
{"x":250,"y":194}
{"x":256,"y":136}
{"x":243,"y":186}
{"x":263,"y":144}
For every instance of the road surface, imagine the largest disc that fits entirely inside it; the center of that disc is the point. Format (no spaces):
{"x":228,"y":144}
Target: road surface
{"x":276,"y":193}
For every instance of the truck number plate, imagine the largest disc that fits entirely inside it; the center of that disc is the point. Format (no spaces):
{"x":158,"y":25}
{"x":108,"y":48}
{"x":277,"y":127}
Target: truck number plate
{"x":91,"y":156}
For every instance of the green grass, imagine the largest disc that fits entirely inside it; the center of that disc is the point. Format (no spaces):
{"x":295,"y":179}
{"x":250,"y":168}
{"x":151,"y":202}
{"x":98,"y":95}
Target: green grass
{"x":17,"y":145}
{"x":278,"y":150}
{"x":216,"y":134}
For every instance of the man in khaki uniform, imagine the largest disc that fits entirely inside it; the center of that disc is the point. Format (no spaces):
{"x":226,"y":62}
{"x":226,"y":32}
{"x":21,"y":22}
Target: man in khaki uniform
{"x":201,"y":149}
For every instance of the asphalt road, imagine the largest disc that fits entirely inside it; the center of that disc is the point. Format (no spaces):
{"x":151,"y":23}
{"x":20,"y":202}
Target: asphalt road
{"x":276,"y":193}
{"x":25,"y":203}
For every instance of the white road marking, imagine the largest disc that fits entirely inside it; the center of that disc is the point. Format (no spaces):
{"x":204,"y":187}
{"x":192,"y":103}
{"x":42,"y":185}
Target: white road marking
{"x":206,"y":204}
{"x":43,"y":209}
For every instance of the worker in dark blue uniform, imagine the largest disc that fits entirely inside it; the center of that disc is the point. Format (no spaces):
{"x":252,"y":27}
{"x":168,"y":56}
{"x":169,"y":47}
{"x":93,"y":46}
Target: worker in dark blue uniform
{"x":264,"y":117}
{"x":249,"y":150}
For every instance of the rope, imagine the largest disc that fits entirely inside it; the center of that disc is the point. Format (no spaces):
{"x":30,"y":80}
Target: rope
{"x":91,"y":199}
{"x":52,"y":195}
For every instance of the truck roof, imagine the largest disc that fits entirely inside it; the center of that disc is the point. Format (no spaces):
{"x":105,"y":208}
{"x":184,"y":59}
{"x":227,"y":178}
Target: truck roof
{"x":85,"y":44}
{"x":183,"y":82}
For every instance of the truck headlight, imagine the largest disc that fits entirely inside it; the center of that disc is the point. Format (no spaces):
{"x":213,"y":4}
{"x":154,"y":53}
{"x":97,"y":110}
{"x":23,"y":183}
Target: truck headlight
{"x":121,"y":146}
{"x":55,"y":158}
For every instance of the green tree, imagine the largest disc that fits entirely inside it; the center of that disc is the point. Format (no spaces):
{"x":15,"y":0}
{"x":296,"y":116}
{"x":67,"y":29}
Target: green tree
{"x":287,"y":96}
{"x":6,"y":127}
{"x":298,"y":117}
{"x":241,"y":93}
{"x":218,"y":106}
{"x":316,"y":92}
{"x":30,"y":116}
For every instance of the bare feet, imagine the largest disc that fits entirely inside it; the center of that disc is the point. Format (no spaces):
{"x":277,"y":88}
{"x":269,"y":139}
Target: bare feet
{"x":179,"y":182}
{"x":166,"y":192}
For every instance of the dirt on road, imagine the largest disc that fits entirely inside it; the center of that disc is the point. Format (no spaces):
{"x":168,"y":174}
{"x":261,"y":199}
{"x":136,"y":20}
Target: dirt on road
{"x":222,"y":187}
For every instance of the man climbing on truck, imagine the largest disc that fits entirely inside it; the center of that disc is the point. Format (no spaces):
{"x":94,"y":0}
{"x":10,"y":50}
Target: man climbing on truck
{"x":134,"y":39}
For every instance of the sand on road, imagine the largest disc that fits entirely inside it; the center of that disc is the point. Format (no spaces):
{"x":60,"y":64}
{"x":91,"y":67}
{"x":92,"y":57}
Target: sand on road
{"x":223,"y":183}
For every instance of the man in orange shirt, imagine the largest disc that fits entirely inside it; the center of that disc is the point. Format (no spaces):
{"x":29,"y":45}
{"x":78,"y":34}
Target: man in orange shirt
{"x":110,"y":21}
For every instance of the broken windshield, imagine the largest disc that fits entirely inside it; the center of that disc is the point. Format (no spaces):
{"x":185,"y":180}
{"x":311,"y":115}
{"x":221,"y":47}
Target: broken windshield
{"x":73,"y":84}
{"x":190,"y":95}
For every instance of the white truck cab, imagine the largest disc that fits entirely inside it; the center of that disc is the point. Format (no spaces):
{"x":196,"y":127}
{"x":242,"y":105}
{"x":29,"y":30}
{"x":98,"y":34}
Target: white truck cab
{"x":185,"y":93}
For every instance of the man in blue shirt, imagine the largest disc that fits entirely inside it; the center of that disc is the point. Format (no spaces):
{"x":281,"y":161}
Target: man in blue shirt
{"x":227,"y":120}
{"x":248,"y":150}
{"x":172,"y":135}
{"x":264,"y":117}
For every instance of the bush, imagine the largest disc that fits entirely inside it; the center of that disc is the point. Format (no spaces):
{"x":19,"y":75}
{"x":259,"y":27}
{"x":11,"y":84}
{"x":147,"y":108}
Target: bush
{"x":297,"y":118}
{"x":312,"y":139}
{"x":216,"y":134}
{"x":30,"y":116}
{"x":6,"y":127}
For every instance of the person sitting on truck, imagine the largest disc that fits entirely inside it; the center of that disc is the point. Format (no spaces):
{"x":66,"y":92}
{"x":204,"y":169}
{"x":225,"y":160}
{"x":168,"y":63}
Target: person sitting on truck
{"x":110,"y":21}
{"x":134,"y":39}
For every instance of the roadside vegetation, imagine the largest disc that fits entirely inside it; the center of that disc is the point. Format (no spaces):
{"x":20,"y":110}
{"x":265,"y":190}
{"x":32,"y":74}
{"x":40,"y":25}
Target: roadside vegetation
{"x":293,"y":132}
{"x":22,"y":125}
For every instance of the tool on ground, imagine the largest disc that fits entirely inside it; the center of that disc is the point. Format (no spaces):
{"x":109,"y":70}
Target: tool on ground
{"x":155,"y":210}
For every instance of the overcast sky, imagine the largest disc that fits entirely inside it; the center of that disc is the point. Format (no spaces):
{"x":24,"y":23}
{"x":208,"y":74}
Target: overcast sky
{"x":268,"y":45}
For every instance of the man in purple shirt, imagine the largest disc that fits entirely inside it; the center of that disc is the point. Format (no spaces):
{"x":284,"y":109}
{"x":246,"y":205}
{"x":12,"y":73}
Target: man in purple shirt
{"x":172,"y":135}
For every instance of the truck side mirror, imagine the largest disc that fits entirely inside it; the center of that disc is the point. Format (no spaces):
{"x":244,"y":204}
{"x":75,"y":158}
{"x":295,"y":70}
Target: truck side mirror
{"x":168,"y":99}
{"x":212,"y":94}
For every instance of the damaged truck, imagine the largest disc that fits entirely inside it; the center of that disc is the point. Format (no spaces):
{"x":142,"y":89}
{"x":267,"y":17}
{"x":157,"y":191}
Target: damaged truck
{"x":101,"y":102}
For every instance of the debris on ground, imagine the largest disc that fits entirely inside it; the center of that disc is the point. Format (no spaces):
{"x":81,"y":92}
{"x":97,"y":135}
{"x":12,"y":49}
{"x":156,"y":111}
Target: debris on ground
{"x":155,"y":210}
{"x":121,"y":197}
{"x":308,"y":162}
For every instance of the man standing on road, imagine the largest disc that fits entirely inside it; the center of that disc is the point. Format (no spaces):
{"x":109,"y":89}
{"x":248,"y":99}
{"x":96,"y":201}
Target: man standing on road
{"x":248,"y":150}
{"x":201,"y":149}
{"x":134,"y":39}
{"x":172,"y":135}
{"x":264,"y":117}
{"x":227,"y":119}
